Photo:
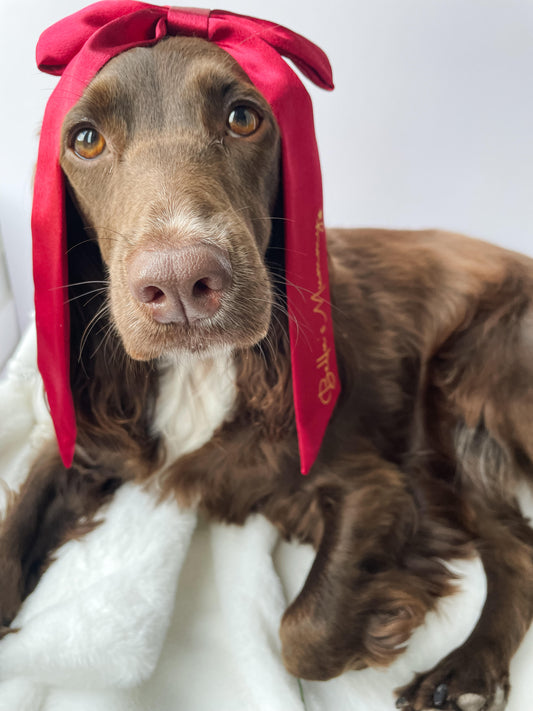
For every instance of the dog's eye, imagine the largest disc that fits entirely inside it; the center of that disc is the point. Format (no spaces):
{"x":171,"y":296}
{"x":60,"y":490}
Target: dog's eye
{"x":88,"y":143}
{"x":243,"y":121}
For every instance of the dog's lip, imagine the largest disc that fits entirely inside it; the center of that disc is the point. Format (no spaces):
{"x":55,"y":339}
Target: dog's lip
{"x":190,"y":340}
{"x":177,"y":349}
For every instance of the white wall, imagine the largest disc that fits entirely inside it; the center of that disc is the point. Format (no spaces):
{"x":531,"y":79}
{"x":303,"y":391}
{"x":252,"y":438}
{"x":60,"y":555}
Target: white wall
{"x":431,"y":123}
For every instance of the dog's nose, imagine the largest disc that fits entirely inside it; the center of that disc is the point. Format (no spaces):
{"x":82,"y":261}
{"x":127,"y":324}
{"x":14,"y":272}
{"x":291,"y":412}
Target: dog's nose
{"x":182,"y":285}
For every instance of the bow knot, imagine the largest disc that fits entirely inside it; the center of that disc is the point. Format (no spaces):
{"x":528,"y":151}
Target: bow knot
{"x":190,"y":22}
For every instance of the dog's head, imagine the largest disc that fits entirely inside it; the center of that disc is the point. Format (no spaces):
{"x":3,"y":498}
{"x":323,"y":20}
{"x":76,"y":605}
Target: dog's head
{"x":172,"y":158}
{"x":171,"y":153}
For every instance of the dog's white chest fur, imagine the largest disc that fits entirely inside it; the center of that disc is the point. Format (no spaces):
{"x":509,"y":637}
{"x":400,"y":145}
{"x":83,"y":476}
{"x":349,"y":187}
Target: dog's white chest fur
{"x":194,"y":399}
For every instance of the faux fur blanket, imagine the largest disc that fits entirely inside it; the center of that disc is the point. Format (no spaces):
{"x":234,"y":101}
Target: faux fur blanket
{"x":156,"y":610}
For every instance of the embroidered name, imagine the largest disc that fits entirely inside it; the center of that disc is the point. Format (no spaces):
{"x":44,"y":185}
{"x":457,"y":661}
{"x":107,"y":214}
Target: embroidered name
{"x":328,"y":381}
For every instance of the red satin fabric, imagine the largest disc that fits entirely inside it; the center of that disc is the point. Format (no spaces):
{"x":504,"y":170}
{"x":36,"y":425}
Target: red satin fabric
{"x":76,"y":48}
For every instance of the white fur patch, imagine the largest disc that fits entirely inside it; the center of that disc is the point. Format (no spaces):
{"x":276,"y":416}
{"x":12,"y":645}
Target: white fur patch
{"x":195,"y":398}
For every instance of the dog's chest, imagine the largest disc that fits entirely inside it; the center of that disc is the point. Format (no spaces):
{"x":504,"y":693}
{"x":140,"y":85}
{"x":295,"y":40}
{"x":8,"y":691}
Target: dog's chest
{"x":195,"y":398}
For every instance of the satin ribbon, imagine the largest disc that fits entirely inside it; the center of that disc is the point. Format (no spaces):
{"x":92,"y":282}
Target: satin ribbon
{"x":76,"y":48}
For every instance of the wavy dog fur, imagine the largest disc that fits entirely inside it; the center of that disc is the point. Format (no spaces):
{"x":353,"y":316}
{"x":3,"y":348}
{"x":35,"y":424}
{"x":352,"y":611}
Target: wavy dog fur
{"x":434,"y":334}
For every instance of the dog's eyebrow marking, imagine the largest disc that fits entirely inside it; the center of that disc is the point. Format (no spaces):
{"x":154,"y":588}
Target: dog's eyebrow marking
{"x":235,"y":87}
{"x":101,"y":98}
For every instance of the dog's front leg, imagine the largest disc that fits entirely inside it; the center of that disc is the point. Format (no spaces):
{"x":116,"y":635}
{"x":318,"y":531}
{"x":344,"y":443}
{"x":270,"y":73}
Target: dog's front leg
{"x":54,"y":503}
{"x":357,"y":606}
{"x":377,"y":572}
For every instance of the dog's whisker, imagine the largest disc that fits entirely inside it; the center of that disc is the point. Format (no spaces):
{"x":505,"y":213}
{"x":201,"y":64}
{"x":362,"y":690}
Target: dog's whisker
{"x":81,"y":243}
{"x":101,"y":313}
{"x":107,"y":329}
{"x":274,"y":218}
{"x":81,"y":283}
{"x":303,"y":291}
{"x":95,"y":293}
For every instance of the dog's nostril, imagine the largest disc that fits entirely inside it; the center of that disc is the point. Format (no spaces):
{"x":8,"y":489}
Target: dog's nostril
{"x":151,"y":295}
{"x":201,"y":287}
{"x":216,"y":282}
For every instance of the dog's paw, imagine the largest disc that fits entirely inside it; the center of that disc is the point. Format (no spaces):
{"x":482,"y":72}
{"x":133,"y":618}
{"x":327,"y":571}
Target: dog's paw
{"x":464,"y":702}
{"x":458,"y":683}
{"x":318,"y":645}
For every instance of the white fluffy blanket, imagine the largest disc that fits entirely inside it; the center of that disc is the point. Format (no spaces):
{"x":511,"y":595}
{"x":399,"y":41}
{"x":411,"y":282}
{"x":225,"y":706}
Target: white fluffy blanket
{"x":156,"y":610}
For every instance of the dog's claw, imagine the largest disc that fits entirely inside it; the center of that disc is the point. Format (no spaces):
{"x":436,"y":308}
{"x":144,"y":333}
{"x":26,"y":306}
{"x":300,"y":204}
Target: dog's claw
{"x":500,"y":699}
{"x":401,"y":703}
{"x":471,"y":702}
{"x":440,"y":695}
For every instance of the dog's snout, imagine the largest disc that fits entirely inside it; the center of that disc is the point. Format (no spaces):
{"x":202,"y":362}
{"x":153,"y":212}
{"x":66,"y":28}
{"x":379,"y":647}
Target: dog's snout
{"x":182,"y":285}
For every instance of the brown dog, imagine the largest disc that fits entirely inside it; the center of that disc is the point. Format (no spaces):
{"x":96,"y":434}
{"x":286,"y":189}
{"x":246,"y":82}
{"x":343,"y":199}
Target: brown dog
{"x":173,"y":182}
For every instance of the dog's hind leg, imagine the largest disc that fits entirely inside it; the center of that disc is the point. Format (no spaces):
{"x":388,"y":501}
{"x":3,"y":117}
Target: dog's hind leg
{"x":53,"y":504}
{"x":490,"y":388}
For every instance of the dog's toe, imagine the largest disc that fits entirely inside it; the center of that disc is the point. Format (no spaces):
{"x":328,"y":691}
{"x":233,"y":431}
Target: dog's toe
{"x":500,"y":699}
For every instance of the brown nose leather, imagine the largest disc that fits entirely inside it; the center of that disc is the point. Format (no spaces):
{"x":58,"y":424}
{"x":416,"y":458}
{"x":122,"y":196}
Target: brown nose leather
{"x":182,"y":285}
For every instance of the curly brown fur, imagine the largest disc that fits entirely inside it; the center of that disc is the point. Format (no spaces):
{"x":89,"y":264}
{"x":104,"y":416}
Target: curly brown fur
{"x":434,"y":336}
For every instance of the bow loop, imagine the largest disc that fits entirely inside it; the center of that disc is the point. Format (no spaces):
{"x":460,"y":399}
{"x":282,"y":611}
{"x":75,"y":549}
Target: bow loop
{"x":59,"y":44}
{"x":307,"y":56}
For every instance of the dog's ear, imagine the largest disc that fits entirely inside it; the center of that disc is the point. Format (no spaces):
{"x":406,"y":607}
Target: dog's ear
{"x":275,"y":254}
{"x":87,"y":282}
